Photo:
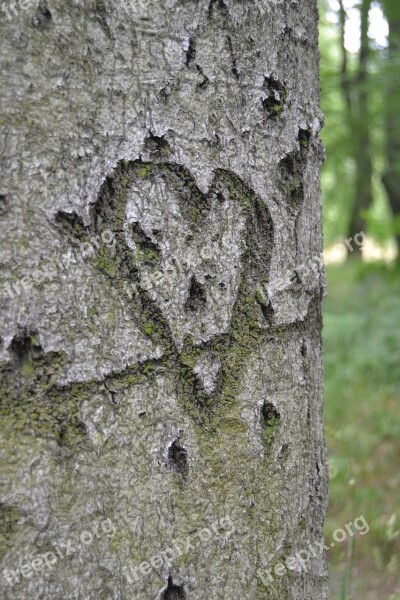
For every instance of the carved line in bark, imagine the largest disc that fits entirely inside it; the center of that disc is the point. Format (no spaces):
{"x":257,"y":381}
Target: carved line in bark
{"x":31,"y":396}
{"x":245,"y":331}
{"x":31,"y":402}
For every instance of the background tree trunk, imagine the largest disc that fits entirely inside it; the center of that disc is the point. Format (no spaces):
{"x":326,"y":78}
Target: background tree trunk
{"x":360,"y":128}
{"x":391,"y":178}
{"x":170,"y":377}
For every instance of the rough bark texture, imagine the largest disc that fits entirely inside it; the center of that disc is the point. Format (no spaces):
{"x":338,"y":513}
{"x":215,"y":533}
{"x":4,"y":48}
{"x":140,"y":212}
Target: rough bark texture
{"x":173,"y":377}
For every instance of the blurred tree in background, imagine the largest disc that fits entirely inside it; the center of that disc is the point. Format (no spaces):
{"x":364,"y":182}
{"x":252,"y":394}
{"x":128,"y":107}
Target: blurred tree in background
{"x":391,"y":74}
{"x":360,"y":48}
{"x":360,"y":71}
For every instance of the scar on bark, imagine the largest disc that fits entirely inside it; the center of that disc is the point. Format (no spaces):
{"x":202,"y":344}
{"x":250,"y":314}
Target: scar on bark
{"x":275,"y":97}
{"x":190,"y":53}
{"x":234,"y":69}
{"x":291,"y":169}
{"x":3,"y":204}
{"x":173,"y":592}
{"x":25,"y":346}
{"x":177,"y":458}
{"x":265,"y":304}
{"x":191,"y":60}
{"x":304,"y":140}
{"x":42,"y":17}
{"x":217,"y":5}
{"x":266,"y":307}
{"x":31,"y":396}
{"x":269,"y":419}
{"x":197,"y":298}
{"x":203,"y":84}
{"x":291,"y":177}
{"x":157,"y":146}
{"x":100,"y":11}
{"x":71,"y":223}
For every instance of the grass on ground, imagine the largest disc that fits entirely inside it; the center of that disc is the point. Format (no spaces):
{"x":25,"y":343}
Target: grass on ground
{"x":362,"y":417}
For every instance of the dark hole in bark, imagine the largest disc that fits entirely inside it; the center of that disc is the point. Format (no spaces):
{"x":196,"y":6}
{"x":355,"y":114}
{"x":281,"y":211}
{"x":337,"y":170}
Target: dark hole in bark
{"x":25,"y":346}
{"x":234,"y":69}
{"x":296,"y":195}
{"x":42,"y":16}
{"x":291,"y":172}
{"x":284,"y":451}
{"x":164,"y":94}
{"x":289,"y":167}
{"x":113,"y":397}
{"x":304,"y":139}
{"x":218,"y":5}
{"x":157,"y":145}
{"x":197,"y":296}
{"x":266,"y":308}
{"x":173,"y":592}
{"x":177,"y":458}
{"x":270,"y":417}
{"x":268,"y":311}
{"x":71,"y":222}
{"x":64,"y":432}
{"x":191,"y":52}
{"x":3,"y":204}
{"x":203,"y":84}
{"x":276,"y":97}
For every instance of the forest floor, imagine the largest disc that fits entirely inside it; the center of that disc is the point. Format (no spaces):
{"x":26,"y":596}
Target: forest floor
{"x":362,"y":419}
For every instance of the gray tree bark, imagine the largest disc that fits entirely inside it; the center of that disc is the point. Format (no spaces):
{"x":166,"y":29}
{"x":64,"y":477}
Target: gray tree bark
{"x":161,"y":289}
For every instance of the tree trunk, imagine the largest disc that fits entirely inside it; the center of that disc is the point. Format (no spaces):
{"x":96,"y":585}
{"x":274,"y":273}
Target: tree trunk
{"x":345,"y":81}
{"x":161,"y":298}
{"x":361,"y":133}
{"x":391,"y":178}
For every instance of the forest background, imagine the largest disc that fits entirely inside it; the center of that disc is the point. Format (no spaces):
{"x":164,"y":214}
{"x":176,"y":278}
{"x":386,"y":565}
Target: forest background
{"x":360,"y":81}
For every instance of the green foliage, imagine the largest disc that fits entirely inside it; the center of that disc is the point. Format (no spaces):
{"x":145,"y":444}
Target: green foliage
{"x":342,"y":129}
{"x":339,"y":169}
{"x":362,"y":320}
